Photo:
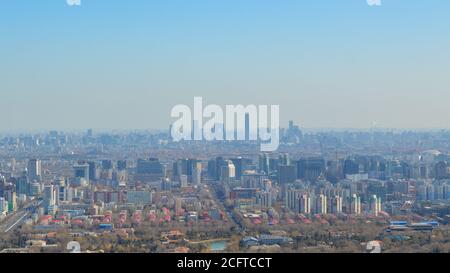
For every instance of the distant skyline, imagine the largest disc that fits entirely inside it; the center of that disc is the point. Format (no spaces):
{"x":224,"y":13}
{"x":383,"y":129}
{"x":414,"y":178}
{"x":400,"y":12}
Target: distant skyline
{"x":125,"y":64}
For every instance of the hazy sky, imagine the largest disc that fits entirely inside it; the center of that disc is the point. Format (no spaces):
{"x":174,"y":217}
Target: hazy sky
{"x":124,"y":64}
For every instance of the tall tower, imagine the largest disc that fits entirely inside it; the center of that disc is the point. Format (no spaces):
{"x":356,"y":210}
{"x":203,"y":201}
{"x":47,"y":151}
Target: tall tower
{"x":34,"y":169}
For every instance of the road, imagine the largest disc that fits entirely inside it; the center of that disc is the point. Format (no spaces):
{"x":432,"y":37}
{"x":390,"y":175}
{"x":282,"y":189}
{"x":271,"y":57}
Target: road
{"x":219,"y":200}
{"x":16,"y":219}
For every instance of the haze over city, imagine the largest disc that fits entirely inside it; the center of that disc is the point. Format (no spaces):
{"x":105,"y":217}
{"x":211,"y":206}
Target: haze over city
{"x":124,"y":65}
{"x":225,"y":127}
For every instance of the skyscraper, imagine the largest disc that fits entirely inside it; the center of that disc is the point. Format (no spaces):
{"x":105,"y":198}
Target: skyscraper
{"x":34,"y":169}
{"x":197,"y":173}
{"x":374,"y":205}
{"x":354,"y":206}
{"x":321,"y":204}
{"x":305,"y":204}
{"x":49,"y":198}
{"x":228,"y":170}
{"x":287,"y":174}
{"x":263,"y":163}
{"x":92,"y":171}
{"x":336,"y":204}
{"x":81,"y":171}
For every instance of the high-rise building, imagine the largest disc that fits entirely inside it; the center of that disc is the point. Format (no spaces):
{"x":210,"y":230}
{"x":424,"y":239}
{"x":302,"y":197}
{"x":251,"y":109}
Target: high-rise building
{"x":166,"y":184}
{"x":335,"y":205}
{"x":23,"y":185}
{"x":228,"y":170}
{"x":197,"y":173}
{"x":81,"y":171}
{"x":354,"y":206}
{"x":284,"y":159}
{"x":34,"y":169}
{"x":49,"y":198}
{"x":264,"y":199}
{"x":304,"y":204}
{"x":149,"y":166}
{"x":374,"y":205}
{"x":92,"y":171}
{"x":252,"y":180}
{"x":139,"y":197}
{"x":287,"y":174}
{"x":310,"y":168}
{"x":220,"y":162}
{"x":321,"y":204}
{"x":292,"y":199}
{"x":107,"y":170}
{"x":183,"y":180}
{"x":121,"y":165}
{"x":441,"y":170}
{"x":264,"y":165}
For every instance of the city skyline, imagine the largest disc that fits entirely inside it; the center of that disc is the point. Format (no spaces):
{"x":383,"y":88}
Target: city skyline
{"x":109,"y":65}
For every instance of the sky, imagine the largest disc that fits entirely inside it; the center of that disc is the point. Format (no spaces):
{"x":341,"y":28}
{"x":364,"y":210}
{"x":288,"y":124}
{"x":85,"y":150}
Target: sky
{"x":116,"y":64}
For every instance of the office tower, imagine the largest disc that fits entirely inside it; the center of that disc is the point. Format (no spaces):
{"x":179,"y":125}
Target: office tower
{"x":287,"y":174}
{"x":421,"y":192}
{"x":354,"y":206}
{"x":228,"y":170}
{"x":212,"y":168}
{"x":92,"y":171}
{"x":61,"y":190}
{"x":446,"y":191}
{"x":406,"y":170}
{"x":81,"y":171}
{"x":253,"y":180}
{"x":197,"y":173}
{"x":315,"y":168}
{"x":336,"y":204}
{"x":374,"y":205}
{"x":220,"y":162}
{"x":183,"y":167}
{"x":350,"y":167}
{"x":34,"y":169}
{"x":430,"y":192}
{"x":107,"y":170}
{"x":183,"y":180}
{"x":321,"y":204}
{"x":23,"y":185}
{"x":49,"y":199}
{"x":11,"y":197}
{"x":283,"y":159}
{"x":292,"y":199}
{"x":293,"y":133}
{"x":149,"y":166}
{"x":242,"y":165}
{"x":238,"y":165}
{"x":166,"y":184}
{"x":121,"y":173}
{"x":304,"y":204}
{"x":139,"y":197}
{"x":121,"y":165}
{"x":264,"y":165}
{"x":264,"y":199}
{"x":441,"y":170}
{"x":310,"y":168}
{"x":439,"y":192}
